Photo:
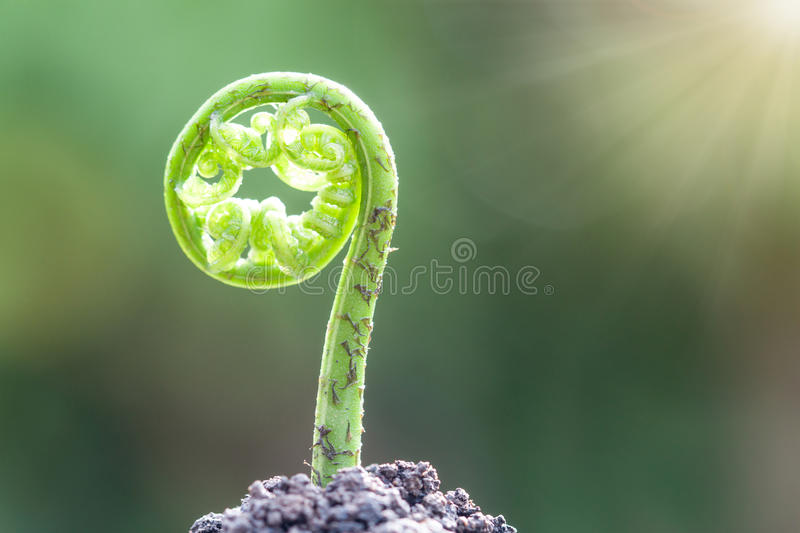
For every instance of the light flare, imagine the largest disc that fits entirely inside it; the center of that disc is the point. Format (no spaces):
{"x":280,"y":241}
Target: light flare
{"x":781,"y":16}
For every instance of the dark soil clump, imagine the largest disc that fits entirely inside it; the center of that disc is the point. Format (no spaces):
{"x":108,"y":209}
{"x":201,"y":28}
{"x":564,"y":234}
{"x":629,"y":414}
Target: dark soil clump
{"x":399,"y":497}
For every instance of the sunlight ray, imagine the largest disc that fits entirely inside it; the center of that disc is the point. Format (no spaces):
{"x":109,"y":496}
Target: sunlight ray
{"x":768,"y":155}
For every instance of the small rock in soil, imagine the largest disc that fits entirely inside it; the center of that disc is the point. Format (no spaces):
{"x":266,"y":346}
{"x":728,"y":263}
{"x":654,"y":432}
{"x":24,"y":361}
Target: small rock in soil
{"x":399,"y":497}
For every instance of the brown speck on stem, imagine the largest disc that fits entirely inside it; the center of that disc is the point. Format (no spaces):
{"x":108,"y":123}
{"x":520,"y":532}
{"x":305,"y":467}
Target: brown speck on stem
{"x":334,"y":396}
{"x":378,"y":160}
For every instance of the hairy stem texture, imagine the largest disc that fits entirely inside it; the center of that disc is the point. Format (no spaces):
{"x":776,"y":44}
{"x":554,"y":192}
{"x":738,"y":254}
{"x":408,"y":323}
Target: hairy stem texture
{"x":255,"y":244}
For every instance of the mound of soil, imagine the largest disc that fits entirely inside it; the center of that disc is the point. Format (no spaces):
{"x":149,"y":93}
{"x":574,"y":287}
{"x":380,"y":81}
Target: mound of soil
{"x":399,"y":497}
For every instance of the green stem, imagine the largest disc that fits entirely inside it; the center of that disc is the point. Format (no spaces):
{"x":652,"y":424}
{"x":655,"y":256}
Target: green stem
{"x":340,"y":396}
{"x":284,"y":251}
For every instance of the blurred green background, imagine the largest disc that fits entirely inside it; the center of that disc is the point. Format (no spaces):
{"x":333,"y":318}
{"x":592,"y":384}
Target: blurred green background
{"x":641,"y":154}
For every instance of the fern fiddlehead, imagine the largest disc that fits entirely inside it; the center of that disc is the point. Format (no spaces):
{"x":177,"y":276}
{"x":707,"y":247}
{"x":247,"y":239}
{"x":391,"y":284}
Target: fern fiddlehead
{"x":254,"y":244}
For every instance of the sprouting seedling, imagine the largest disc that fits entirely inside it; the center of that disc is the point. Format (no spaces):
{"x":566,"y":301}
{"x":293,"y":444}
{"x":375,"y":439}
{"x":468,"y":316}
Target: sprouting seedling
{"x":254,"y":244}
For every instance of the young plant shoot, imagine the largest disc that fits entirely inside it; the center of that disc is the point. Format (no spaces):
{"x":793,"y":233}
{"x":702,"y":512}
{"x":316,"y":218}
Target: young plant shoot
{"x":255,"y":244}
